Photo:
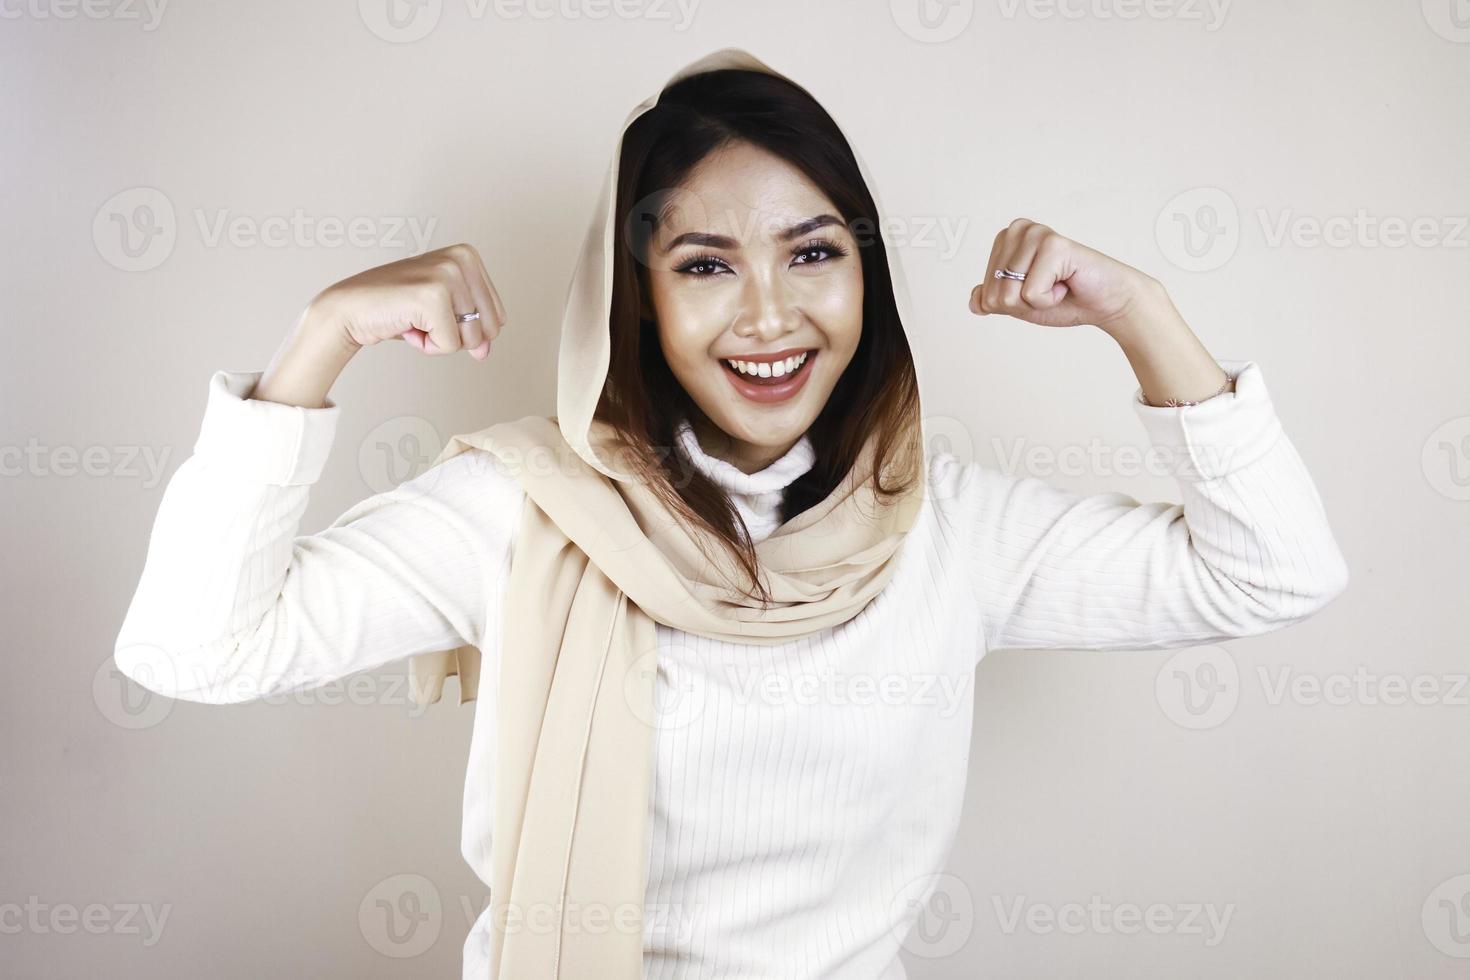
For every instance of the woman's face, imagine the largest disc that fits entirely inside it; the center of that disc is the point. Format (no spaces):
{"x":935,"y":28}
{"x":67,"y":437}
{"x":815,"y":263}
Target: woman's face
{"x":757,"y":290}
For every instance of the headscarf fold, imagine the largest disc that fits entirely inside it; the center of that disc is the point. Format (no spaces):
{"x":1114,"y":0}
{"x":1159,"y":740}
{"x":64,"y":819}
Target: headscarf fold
{"x":597,"y":561}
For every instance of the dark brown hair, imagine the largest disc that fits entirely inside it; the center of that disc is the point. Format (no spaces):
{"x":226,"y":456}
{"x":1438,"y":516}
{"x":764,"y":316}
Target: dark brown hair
{"x":643,"y":400}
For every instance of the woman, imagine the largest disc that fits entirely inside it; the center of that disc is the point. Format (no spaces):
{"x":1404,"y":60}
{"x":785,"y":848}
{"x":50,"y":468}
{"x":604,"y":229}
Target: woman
{"x":732,"y":604}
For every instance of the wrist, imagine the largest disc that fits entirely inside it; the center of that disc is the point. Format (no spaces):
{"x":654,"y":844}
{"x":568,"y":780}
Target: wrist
{"x":317,"y":347}
{"x":322,"y":329}
{"x":306,"y":364}
{"x":1147,"y":311}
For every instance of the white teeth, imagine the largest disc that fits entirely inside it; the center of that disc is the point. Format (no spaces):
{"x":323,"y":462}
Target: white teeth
{"x":769,"y":369}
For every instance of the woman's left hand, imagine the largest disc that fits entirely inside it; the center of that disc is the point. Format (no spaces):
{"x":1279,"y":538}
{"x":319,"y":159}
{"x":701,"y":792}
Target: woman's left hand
{"x":1067,"y":284}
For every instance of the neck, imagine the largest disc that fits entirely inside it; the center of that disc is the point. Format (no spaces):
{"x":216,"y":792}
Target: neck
{"x":744,"y":456}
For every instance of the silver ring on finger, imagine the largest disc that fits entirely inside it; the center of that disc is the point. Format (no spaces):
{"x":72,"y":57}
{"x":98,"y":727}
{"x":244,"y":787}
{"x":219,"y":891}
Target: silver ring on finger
{"x":467,"y":317}
{"x":1008,"y":274}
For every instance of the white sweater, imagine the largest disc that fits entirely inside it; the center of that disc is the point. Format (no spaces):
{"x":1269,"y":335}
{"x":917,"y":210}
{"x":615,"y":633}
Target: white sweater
{"x":803,"y":794}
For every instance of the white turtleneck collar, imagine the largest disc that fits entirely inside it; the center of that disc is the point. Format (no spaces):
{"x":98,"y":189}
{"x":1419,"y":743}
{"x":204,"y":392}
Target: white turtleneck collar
{"x":757,"y":496}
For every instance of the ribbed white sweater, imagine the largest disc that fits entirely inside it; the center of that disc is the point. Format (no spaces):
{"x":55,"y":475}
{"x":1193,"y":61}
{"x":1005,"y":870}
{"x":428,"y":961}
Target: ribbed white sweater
{"x":803,"y":794}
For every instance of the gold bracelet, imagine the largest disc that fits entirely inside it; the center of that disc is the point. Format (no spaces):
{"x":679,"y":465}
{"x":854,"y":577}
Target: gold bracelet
{"x":1178,"y":403}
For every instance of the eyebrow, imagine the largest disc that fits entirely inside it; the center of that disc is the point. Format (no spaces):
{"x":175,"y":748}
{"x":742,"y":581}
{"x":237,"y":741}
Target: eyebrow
{"x":708,"y":240}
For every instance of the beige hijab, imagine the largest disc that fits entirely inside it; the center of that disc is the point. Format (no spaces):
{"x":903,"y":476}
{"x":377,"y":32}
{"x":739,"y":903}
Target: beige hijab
{"x":597,"y":561}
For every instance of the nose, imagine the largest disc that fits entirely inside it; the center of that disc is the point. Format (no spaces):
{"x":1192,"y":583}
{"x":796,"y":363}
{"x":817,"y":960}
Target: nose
{"x":767,"y":308}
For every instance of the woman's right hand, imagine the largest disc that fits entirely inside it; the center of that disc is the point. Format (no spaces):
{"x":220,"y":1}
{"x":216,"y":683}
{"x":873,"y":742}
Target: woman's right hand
{"x":418,"y":300}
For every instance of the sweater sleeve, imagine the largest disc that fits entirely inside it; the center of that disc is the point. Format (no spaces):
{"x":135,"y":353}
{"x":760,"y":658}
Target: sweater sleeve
{"x":233,"y":604}
{"x":1249,"y":550}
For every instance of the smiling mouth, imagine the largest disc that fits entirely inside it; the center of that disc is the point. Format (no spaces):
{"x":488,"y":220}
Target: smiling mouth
{"x":759,"y":381}
{"x":768,"y":372}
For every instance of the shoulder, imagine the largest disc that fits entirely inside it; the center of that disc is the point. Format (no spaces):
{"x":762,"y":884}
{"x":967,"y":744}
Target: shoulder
{"x":944,"y":468}
{"x":951,"y":481}
{"x":948,"y":494}
{"x":963,"y":492}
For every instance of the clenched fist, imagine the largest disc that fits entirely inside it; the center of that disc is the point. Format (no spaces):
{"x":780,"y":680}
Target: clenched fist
{"x":418,"y":299}
{"x":1066,"y":284}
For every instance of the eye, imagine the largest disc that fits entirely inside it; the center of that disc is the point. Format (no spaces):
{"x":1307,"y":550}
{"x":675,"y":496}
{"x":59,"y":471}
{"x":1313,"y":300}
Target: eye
{"x":702,"y":266}
{"x":820,"y":247}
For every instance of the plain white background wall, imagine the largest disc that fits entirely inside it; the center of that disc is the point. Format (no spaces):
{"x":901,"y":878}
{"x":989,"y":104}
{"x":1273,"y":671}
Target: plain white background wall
{"x":1294,"y":172}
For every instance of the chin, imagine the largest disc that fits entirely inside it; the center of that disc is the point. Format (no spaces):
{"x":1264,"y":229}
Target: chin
{"x":770,"y":434}
{"x":767,"y":425}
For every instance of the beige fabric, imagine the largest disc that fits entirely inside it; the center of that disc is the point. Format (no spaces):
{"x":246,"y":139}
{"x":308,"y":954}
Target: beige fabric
{"x":596,"y":562}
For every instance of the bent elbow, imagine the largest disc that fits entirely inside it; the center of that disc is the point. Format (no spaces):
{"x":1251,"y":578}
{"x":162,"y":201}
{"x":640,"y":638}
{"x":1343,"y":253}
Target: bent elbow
{"x":181,"y":675}
{"x":1338,"y":580}
{"x":1307,"y":595}
{"x":1252,"y":607}
{"x":1332,"y":582}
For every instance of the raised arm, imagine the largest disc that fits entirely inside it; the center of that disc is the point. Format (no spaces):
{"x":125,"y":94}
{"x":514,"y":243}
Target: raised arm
{"x":1248,"y":549}
{"x":233,"y":604}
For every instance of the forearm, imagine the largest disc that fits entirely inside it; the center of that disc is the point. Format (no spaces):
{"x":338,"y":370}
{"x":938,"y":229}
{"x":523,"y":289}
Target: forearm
{"x":306,"y":365}
{"x":1167,"y":357}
